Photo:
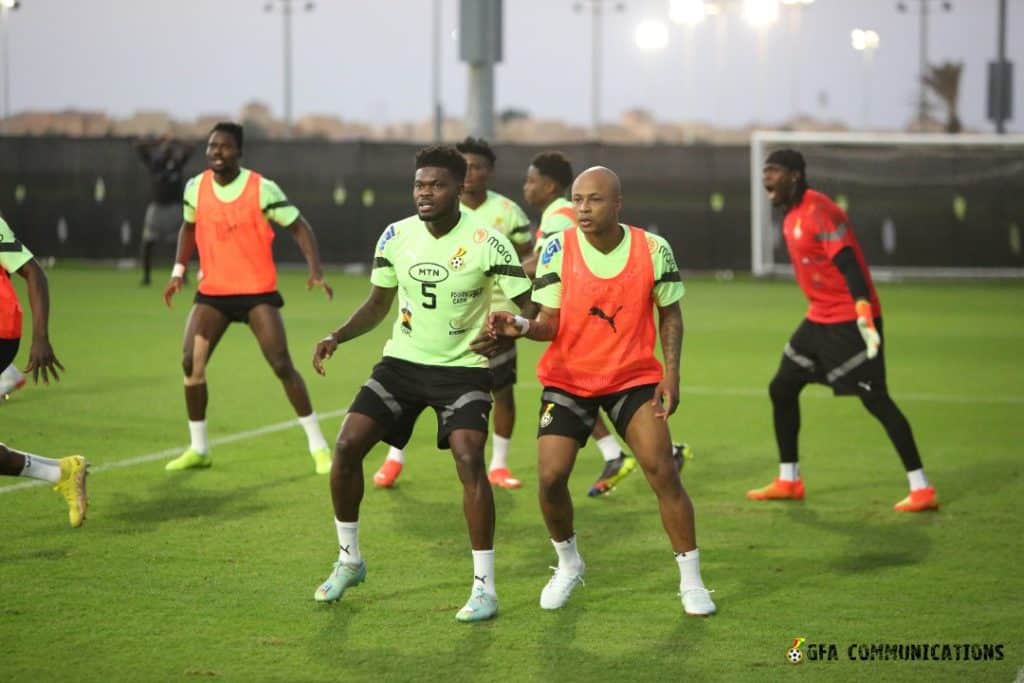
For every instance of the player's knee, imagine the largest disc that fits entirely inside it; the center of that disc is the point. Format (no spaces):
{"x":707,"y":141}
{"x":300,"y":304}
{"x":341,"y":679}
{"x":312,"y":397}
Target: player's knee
{"x":194,"y":372}
{"x":347,"y":454}
{"x":879,"y":404}
{"x":551,"y":479}
{"x":783,"y":391}
{"x":282,"y":366}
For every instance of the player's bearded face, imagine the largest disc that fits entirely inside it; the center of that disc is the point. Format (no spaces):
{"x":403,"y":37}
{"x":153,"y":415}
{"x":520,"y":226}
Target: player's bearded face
{"x":779,"y":183}
{"x":222,"y":152}
{"x":436,"y":193}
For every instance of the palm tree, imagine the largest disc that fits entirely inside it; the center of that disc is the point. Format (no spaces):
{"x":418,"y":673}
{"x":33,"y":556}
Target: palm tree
{"x":944,"y":80}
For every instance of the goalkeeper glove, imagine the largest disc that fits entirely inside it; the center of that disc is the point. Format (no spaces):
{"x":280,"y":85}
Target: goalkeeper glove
{"x":866,"y":326}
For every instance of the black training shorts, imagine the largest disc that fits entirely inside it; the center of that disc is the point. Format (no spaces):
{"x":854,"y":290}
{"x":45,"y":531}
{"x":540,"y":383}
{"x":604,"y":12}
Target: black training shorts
{"x":236,"y":307}
{"x":398,"y":391}
{"x":834,"y":354}
{"x":565,"y":414}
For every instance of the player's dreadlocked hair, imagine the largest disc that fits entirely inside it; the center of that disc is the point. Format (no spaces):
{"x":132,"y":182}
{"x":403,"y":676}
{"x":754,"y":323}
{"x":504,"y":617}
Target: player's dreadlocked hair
{"x":477,"y":146}
{"x":791,"y":160}
{"x":442,"y":156}
{"x":232,"y":129}
{"x":554,"y":165}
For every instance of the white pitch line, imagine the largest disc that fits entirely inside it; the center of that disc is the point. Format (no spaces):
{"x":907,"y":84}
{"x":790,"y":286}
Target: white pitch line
{"x":167,"y":452}
{"x":702,"y":391}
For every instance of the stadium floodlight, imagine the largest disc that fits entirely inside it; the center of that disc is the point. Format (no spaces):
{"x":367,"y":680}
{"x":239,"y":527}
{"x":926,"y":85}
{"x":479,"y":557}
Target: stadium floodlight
{"x":687,"y":12}
{"x":9,"y":4}
{"x":923,"y":205}
{"x":864,"y":40}
{"x":797,"y":2}
{"x":651,"y":35}
{"x":761,"y":13}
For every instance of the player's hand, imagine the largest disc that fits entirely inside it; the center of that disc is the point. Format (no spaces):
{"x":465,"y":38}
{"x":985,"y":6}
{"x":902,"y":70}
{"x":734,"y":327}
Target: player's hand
{"x":317,"y":280}
{"x":489,"y":345}
{"x":503,"y":324}
{"x":172,"y":288}
{"x":866,"y":326}
{"x":666,"y":398}
{"x":41,"y":360}
{"x":325,"y":348}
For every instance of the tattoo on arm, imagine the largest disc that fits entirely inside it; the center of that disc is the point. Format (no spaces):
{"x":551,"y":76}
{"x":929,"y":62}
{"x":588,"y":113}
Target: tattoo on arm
{"x":670,"y":323}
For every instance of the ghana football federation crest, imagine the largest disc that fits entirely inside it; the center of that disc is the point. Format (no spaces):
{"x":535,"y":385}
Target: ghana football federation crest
{"x":794,"y":655}
{"x":546,"y":417}
{"x":458,"y":259}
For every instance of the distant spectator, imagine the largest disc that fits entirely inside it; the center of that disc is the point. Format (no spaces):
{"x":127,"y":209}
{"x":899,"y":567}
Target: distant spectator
{"x":165,"y":159}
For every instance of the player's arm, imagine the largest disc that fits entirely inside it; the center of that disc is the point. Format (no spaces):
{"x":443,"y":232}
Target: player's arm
{"x":41,"y":357}
{"x":542,"y":327}
{"x":186,"y":247}
{"x":846,"y":261}
{"x":670,"y":329}
{"x":364,"y":319}
{"x":306,"y":240}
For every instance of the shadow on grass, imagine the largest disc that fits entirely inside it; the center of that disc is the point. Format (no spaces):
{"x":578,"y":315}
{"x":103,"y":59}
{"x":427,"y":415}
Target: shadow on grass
{"x":172,"y":500}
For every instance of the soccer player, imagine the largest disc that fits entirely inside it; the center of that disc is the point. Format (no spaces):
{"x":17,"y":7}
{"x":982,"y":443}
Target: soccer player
{"x":548,"y":179}
{"x":228,"y":210}
{"x":165,"y":160}
{"x":839,"y":343}
{"x":502,"y":214}
{"x":440,"y":264}
{"x":66,"y":474}
{"x":597,"y":288}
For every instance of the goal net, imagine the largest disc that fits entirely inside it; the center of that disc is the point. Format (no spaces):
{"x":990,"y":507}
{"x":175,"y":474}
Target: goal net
{"x":921,"y":205}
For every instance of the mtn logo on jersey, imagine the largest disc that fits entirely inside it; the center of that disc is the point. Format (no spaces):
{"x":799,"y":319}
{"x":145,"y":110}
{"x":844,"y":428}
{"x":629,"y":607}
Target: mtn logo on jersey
{"x":388,"y":234}
{"x":458,"y":259}
{"x":428,"y":272}
{"x":547,"y":417}
{"x":554,"y":246}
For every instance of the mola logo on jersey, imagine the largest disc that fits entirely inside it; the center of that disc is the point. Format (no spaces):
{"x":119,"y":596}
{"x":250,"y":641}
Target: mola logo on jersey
{"x":554,"y":246}
{"x":458,"y":259}
{"x":392,"y":231}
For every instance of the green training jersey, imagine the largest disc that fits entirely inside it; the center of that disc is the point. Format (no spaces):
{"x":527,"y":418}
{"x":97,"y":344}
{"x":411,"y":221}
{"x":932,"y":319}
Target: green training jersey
{"x":444,"y":286}
{"x":504,"y":215}
{"x":547,"y":291}
{"x":558,"y":216}
{"x":13,"y":254}
{"x":274,"y":204}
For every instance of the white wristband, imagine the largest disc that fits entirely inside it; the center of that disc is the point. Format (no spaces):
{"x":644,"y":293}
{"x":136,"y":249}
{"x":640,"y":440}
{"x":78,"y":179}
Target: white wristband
{"x":522,"y":324}
{"x":178,"y":270}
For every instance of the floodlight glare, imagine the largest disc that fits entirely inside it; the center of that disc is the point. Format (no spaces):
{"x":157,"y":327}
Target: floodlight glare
{"x":689,"y":12}
{"x":864,"y":39}
{"x":651,"y":35}
{"x":761,"y":13}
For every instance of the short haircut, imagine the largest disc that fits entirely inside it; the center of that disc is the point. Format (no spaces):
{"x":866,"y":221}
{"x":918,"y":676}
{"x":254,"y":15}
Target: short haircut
{"x":477,"y":146}
{"x":554,"y":165}
{"x":442,"y":156}
{"x":232,"y":129}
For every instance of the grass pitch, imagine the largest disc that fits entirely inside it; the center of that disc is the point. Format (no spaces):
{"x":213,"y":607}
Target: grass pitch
{"x":210,"y":574}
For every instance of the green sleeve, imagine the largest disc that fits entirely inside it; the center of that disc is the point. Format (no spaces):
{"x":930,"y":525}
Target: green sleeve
{"x":519,"y":222}
{"x":275,"y":205}
{"x":547,"y":285}
{"x":383,"y":273}
{"x":502,"y":263}
{"x":553,"y":225}
{"x":190,"y":199}
{"x":13,"y":254}
{"x":668,"y":286}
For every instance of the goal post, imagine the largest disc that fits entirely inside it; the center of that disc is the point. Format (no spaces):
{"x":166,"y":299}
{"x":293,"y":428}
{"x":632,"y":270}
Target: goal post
{"x":922,"y":205}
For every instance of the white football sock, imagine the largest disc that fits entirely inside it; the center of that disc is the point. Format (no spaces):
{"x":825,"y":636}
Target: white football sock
{"x":689,"y":570}
{"x":499,"y":453}
{"x":311,"y":423}
{"x":610,"y":449}
{"x":483,"y":570}
{"x":200,"y":443}
{"x":39,"y":467}
{"x":789,"y":471}
{"x":568,"y":556}
{"x":9,"y":379}
{"x":348,"y":542}
{"x":917,"y":479}
{"x":396,"y":454}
